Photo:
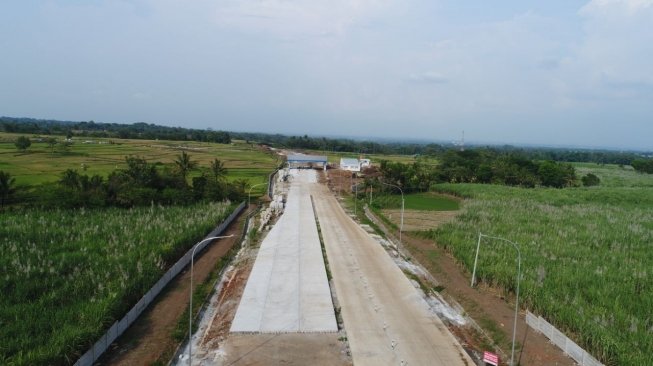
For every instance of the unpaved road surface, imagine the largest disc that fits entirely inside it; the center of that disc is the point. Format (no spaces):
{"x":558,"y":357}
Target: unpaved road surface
{"x":300,"y":349}
{"x":386,"y":320}
{"x":150,"y":337}
{"x":486,"y":303}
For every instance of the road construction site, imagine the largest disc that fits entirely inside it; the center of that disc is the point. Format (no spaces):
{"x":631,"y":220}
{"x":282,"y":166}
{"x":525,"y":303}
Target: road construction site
{"x":289,"y":312}
{"x":288,"y":290}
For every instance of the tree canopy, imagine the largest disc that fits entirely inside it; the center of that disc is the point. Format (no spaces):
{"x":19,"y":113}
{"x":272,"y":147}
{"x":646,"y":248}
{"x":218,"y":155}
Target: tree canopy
{"x":6,"y":187}
{"x":22,"y":143}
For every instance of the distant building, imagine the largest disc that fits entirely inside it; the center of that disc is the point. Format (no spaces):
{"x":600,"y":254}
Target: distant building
{"x":307,"y":161}
{"x":365,"y":163}
{"x":353,"y":165}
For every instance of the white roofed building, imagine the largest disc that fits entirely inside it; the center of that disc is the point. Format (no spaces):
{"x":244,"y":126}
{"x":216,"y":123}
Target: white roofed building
{"x":353,"y":165}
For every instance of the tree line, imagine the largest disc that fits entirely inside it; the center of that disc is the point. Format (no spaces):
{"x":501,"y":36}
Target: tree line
{"x":150,"y":131}
{"x":643,"y":165}
{"x":139,"y":130}
{"x":140,"y":183}
{"x":483,"y":166}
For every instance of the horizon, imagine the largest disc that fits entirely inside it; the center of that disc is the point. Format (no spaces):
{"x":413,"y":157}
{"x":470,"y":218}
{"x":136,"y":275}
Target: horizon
{"x":563,"y":72}
{"x":388,"y":140}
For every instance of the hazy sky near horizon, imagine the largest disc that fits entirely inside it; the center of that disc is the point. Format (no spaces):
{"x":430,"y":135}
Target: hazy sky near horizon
{"x":558,"y":72}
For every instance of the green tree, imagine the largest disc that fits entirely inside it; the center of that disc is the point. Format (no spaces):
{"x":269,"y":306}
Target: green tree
{"x":70,"y":179}
{"x":6,"y":187}
{"x":218,"y":169}
{"x":22,"y":143}
{"x":184,"y":164}
{"x":237,"y":189}
{"x":51,"y":141}
{"x":141,"y":172}
{"x":64,"y":147}
{"x":643,"y":166}
{"x":557,"y":175}
{"x":590,"y":180}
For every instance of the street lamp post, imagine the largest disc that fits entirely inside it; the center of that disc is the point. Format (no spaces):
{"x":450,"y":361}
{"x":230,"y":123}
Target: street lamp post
{"x":514,"y":326}
{"x":190,"y":310}
{"x":401,"y":226}
{"x":249,"y":195}
{"x":355,"y":191}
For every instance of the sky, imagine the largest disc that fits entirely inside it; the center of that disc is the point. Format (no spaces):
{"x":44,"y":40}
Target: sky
{"x":556,"y":72}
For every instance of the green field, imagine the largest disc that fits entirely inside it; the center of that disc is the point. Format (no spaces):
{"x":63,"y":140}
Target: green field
{"x":417,"y":201}
{"x":65,"y":276}
{"x":586,"y":252}
{"x":101,"y":156}
{"x":334,"y":157}
{"x":614,"y":175}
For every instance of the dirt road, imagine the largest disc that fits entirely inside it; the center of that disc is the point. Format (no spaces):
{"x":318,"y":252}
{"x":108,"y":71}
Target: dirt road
{"x":150,"y":338}
{"x":386,"y":321}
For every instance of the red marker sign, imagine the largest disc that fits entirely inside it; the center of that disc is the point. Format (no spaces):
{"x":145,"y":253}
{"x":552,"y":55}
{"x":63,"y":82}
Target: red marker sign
{"x":491,"y":358}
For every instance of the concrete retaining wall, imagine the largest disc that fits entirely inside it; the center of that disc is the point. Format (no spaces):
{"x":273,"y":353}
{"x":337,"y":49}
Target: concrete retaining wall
{"x":119,"y":327}
{"x":271,"y":183}
{"x":559,"y":339}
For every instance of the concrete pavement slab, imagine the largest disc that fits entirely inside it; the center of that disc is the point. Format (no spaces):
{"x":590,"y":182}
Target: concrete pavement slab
{"x":288,"y":290}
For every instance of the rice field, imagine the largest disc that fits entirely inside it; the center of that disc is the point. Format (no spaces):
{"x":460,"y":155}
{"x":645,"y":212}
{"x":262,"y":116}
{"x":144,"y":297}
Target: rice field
{"x":91,"y":156}
{"x":427,"y":201}
{"x":66,"y":276}
{"x":587,"y":263}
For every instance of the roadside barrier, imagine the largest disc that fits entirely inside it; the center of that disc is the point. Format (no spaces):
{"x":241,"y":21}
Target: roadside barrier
{"x":119,"y":327}
{"x":558,"y":338}
{"x":200,"y":313}
{"x":271,"y":183}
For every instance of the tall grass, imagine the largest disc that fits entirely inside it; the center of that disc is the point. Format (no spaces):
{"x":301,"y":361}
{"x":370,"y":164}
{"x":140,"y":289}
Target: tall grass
{"x":587,"y":259}
{"x":615,"y":176}
{"x":65,"y":276}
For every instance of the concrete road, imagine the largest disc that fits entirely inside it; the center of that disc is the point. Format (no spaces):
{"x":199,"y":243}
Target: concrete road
{"x":288,"y":290}
{"x":386,"y":320}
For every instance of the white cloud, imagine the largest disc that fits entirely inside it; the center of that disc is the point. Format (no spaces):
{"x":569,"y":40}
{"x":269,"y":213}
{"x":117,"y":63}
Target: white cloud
{"x":292,"y":19}
{"x":618,"y":43}
{"x":428,"y":77}
{"x":612,"y":7}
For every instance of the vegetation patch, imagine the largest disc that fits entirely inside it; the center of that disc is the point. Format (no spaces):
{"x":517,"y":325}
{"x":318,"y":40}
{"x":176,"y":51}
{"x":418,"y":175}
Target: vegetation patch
{"x":67,"y":275}
{"x":45,"y":162}
{"x":586,"y":258}
{"x":428,"y":201}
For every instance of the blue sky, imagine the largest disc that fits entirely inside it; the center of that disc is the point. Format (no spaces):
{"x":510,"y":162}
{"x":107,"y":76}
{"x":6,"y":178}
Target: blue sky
{"x":532,"y":72}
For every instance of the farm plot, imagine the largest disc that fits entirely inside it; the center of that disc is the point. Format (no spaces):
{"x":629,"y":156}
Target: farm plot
{"x":423,"y":211}
{"x":615,"y":176}
{"x":67,"y":275}
{"x":42,"y":164}
{"x":417,"y":201}
{"x":417,"y":220}
{"x":586,"y":259}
